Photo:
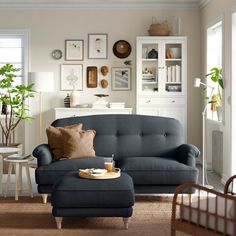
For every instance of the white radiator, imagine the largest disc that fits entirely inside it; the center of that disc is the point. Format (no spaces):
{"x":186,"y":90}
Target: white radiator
{"x":217,"y":151}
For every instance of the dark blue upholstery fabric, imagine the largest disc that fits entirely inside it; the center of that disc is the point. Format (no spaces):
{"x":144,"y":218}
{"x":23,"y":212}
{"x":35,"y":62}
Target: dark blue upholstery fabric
{"x":43,"y":154}
{"x":49,"y":174}
{"x":186,"y":154}
{"x":73,"y":191}
{"x":131,"y":135}
{"x":158,"y":171}
{"x":92,"y":212}
{"x":159,"y":141}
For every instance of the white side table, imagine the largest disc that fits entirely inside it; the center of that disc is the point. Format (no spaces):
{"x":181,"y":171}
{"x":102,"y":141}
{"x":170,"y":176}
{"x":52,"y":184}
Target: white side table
{"x":5,"y":150}
{"x":17,"y":165}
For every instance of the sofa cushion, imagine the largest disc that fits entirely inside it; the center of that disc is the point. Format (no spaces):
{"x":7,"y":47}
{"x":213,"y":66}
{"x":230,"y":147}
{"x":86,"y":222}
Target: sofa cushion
{"x":48,"y":174}
{"x":78,"y":144}
{"x":131,"y":135}
{"x":55,"y":139}
{"x":157,"y":170}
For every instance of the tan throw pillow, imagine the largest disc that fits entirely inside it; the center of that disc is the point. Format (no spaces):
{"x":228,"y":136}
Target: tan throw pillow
{"x":55,"y":139}
{"x":78,"y":144}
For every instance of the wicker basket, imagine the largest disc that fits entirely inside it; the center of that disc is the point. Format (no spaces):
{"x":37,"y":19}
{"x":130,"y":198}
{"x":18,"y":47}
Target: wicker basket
{"x":159,"y":29}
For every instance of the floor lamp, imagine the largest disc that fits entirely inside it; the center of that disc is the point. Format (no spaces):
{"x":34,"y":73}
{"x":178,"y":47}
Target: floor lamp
{"x":43,"y":83}
{"x":198,"y":83}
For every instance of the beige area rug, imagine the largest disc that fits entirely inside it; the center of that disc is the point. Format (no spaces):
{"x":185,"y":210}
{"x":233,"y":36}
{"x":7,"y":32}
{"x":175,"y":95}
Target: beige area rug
{"x":28,"y":216}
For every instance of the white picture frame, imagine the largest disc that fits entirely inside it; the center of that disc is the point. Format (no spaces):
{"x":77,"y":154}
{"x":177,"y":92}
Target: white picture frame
{"x":121,"y":78}
{"x":74,"y":50}
{"x":71,"y":77}
{"x":97,"y":46}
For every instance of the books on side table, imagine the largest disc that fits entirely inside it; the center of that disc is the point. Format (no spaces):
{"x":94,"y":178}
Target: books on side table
{"x":18,"y":156}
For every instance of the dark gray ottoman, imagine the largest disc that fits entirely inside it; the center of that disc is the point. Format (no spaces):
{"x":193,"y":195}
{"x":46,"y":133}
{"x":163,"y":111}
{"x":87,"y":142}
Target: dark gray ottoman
{"x":74,"y":196}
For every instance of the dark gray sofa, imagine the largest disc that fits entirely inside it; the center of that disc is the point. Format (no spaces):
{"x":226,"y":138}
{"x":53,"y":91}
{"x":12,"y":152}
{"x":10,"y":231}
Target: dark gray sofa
{"x":150,"y":149}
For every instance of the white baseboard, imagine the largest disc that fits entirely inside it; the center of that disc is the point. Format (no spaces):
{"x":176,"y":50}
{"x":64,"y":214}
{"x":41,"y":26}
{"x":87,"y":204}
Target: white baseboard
{"x":224,"y":178}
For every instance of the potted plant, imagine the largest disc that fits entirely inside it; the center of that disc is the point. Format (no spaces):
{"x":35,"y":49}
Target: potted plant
{"x":216,"y":99}
{"x":14,"y":101}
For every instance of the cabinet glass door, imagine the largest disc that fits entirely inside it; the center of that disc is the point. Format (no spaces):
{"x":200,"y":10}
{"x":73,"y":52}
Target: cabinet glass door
{"x":173,"y":64}
{"x":150,"y":57}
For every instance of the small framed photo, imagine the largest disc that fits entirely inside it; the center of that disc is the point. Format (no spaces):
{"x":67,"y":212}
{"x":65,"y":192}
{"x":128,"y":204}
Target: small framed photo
{"x":71,"y":77}
{"x":121,"y":78}
{"x":92,"y":77}
{"x":74,"y":50}
{"x":97,"y":46}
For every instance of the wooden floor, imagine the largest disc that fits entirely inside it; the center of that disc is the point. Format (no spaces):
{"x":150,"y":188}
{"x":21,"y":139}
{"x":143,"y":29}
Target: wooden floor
{"x":213,"y":179}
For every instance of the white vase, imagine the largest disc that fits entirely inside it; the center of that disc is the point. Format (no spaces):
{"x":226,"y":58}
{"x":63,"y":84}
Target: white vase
{"x":74,"y":98}
{"x":219,"y":113}
{"x":177,"y":29}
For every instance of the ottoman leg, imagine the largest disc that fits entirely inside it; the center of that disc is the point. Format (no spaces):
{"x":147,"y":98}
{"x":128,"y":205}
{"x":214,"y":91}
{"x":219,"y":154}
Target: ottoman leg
{"x":45,"y":198}
{"x":58,"y":221}
{"x":126,"y":222}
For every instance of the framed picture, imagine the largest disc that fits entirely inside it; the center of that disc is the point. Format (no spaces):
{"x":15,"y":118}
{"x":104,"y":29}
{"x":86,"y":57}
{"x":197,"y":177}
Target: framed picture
{"x":121,"y":78}
{"x":71,"y":77}
{"x":97,"y":46}
{"x":74,"y":50}
{"x":92,"y":77}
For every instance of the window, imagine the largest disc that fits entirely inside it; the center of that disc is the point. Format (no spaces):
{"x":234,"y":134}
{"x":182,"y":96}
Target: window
{"x":233,"y":95}
{"x":214,"y":58}
{"x":11,"y":52}
{"x":14,"y":50}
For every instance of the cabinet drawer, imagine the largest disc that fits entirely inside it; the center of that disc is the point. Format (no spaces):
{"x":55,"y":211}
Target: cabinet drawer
{"x":161,"y":101}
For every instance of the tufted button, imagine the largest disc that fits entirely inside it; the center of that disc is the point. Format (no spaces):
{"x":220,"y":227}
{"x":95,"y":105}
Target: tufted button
{"x":165,"y":134}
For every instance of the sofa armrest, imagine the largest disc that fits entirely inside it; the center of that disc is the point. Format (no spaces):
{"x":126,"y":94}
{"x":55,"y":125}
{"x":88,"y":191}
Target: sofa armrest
{"x":43,"y":154}
{"x":187,"y":153}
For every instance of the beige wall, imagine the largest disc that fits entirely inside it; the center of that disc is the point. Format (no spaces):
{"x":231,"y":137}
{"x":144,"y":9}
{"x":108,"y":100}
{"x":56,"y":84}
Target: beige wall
{"x":50,"y":28}
{"x":215,"y":9}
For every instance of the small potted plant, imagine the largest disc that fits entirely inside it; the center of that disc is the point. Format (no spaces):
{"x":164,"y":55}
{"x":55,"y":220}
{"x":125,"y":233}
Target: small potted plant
{"x":14,"y":100}
{"x":216,"y":99}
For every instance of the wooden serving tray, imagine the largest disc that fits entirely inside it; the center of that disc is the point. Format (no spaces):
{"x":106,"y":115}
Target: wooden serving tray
{"x":108,"y":175}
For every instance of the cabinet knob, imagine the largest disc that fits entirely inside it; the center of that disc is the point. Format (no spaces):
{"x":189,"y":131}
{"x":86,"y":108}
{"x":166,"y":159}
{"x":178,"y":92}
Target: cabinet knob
{"x":148,"y":101}
{"x":173,"y":101}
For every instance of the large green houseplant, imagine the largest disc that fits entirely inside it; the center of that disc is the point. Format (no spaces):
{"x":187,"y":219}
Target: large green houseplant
{"x":14,"y":98}
{"x":216,"y":99}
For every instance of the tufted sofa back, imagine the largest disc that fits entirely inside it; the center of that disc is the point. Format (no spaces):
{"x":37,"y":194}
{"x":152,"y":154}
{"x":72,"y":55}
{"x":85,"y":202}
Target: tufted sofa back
{"x":131,"y":135}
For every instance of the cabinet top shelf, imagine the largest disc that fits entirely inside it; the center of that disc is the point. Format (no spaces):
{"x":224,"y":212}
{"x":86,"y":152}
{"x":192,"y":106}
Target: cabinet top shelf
{"x":173,"y":59}
{"x":149,"y":59}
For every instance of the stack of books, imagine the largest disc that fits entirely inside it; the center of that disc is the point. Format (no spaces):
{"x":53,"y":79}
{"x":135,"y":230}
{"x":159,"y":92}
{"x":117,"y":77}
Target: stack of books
{"x":173,"y":74}
{"x":147,"y":78}
{"x":100,"y":104}
{"x":117,"y":105}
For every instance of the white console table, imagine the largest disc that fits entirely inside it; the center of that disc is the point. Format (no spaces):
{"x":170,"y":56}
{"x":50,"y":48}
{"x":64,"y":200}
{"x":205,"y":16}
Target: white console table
{"x":71,"y":112}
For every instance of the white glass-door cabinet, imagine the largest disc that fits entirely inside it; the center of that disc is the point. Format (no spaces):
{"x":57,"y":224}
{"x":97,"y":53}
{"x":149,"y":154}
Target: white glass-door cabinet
{"x":162,"y":77}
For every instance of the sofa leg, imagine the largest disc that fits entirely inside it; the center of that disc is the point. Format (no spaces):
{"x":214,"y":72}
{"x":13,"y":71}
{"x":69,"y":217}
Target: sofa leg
{"x":173,"y":232}
{"x":58,"y":221}
{"x":126,"y":222}
{"x":45,"y":198}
